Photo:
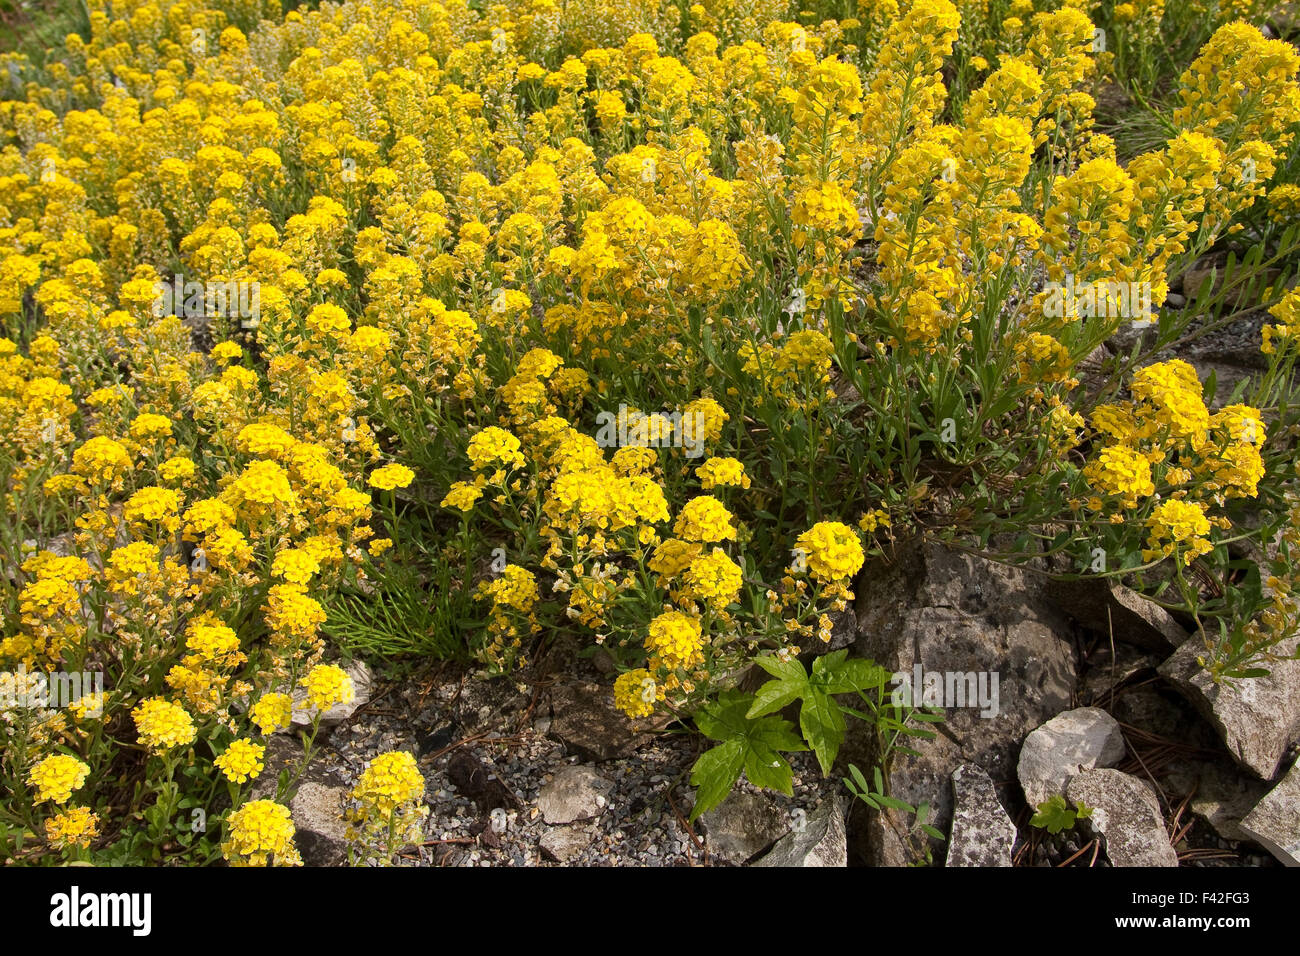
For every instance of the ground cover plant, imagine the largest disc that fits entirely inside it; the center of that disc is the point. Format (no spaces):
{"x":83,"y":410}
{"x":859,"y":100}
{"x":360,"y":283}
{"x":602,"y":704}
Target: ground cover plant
{"x":441,"y":329}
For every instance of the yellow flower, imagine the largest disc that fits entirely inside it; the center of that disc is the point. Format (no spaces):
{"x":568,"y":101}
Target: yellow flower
{"x":704,"y":519}
{"x":261,"y":834}
{"x":675,"y":640}
{"x":635,"y":693}
{"x":163,"y":725}
{"x":722,"y":473}
{"x":389,"y":780}
{"x":1123,"y":472}
{"x":391,"y":476}
{"x":74,"y":827}
{"x":462,"y":496}
{"x":242,"y":760}
{"x":272,"y":712}
{"x":327,"y":685}
{"x":1178,"y":525}
{"x":495,"y":446}
{"x":57,"y":776}
{"x":832,"y":551}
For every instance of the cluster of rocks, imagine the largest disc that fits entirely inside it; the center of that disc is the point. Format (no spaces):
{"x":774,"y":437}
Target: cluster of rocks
{"x":1101,"y":701}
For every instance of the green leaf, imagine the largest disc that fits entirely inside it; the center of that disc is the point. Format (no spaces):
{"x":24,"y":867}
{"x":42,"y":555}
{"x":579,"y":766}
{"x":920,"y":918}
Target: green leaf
{"x":774,"y":695}
{"x":791,"y":683}
{"x":822,"y":725}
{"x":747,"y":743}
{"x":715,"y":773}
{"x":1054,"y":815}
{"x":855,"y":675}
{"x":767,"y":768}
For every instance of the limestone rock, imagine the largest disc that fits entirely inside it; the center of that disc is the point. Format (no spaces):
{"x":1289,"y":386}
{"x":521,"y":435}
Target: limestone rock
{"x":821,"y":841}
{"x":951,"y":612}
{"x":1125,"y":815}
{"x":575,"y":793}
{"x":743,"y":825}
{"x":1076,"y":740}
{"x":982,"y":833}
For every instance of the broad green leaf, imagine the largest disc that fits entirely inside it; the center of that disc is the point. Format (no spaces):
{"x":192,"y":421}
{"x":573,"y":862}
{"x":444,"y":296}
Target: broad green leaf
{"x":767,"y":768}
{"x":715,"y":773}
{"x":823,"y":727}
{"x":774,"y":695}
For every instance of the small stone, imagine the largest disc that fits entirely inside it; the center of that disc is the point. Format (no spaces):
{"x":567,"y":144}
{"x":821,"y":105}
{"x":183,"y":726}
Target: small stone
{"x":1125,"y":815}
{"x":1076,"y":740}
{"x":585,"y":720}
{"x":572,"y":795}
{"x":982,"y":833}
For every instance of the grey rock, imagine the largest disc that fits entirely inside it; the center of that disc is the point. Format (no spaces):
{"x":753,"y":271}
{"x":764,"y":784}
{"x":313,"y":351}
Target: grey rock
{"x":1107,"y":607}
{"x":585,"y":720}
{"x":1125,"y":816}
{"x":1275,"y":822}
{"x":952,"y":612}
{"x":304,"y":713}
{"x":574,"y":793}
{"x":982,"y":833}
{"x":1076,"y":740}
{"x":317,"y":812}
{"x":821,"y":841}
{"x":743,"y":825}
{"x":1257,"y":718}
{"x":562,"y":843}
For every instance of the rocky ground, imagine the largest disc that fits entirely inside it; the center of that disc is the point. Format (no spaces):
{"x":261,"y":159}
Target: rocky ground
{"x":1177,"y":771}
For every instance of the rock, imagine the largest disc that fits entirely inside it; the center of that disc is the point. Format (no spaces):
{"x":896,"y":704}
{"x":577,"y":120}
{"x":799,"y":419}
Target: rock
{"x":562,"y":844}
{"x":1107,"y":607}
{"x":1125,"y":815}
{"x":742,"y":826}
{"x":317,"y":812}
{"x":304,"y":713}
{"x":821,"y":841}
{"x":982,"y":833}
{"x":1222,"y":794}
{"x":1275,"y":822}
{"x":575,"y":793}
{"x":1076,"y":740}
{"x":585,"y":720}
{"x":1175,"y":301}
{"x":472,"y":779}
{"x":1257,"y":718}
{"x":950,"y":612}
